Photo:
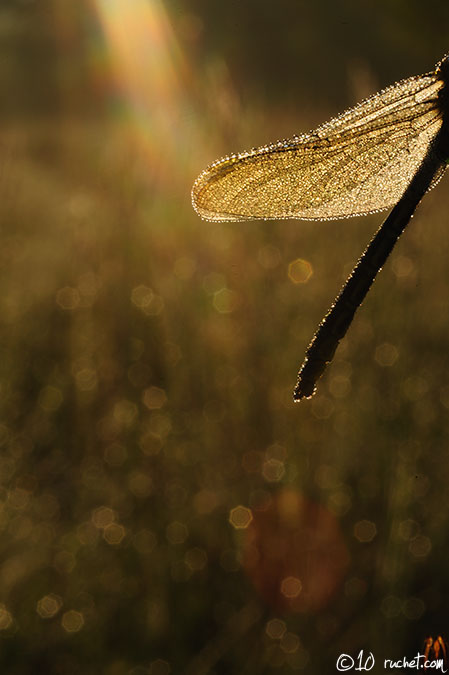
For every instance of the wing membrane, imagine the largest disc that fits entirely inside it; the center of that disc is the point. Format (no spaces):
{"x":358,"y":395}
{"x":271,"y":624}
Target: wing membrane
{"x":359,"y":162}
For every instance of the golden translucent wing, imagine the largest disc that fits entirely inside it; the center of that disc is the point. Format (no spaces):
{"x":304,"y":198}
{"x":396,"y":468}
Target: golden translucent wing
{"x":359,"y":162}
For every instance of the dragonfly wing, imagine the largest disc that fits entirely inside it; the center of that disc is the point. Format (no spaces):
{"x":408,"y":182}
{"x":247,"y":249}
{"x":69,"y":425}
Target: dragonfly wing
{"x":359,"y":162}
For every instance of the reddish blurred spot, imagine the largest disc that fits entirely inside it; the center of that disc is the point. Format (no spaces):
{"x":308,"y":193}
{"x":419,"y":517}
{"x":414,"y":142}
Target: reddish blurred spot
{"x":294,"y":553}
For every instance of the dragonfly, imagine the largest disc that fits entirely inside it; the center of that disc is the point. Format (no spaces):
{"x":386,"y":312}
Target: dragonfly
{"x":387,"y":151}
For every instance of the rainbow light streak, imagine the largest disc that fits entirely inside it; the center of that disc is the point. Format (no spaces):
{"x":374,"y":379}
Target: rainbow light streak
{"x":152,"y":78}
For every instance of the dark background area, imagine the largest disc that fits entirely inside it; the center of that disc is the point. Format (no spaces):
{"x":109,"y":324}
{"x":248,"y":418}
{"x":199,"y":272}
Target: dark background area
{"x":164,"y":506}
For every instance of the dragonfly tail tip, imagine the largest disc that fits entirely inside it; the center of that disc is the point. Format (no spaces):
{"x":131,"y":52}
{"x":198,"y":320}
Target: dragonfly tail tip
{"x":303,"y":390}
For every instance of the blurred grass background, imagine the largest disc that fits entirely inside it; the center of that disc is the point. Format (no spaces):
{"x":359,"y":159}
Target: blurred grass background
{"x":165,"y":507}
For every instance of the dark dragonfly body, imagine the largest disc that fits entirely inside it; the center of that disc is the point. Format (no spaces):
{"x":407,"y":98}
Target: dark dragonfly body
{"x":389,"y":150}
